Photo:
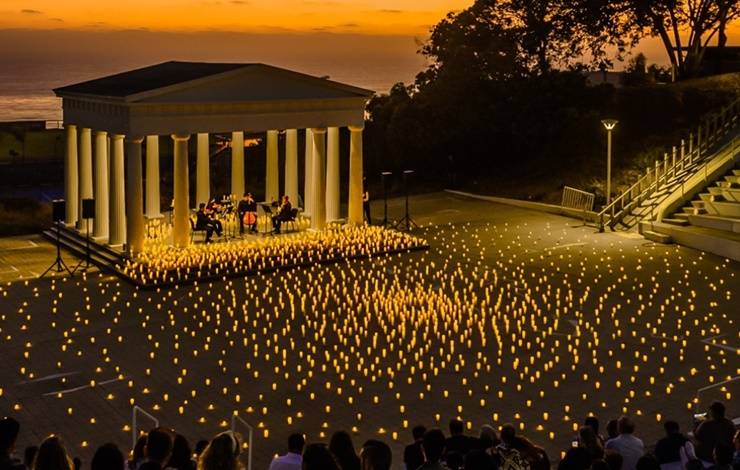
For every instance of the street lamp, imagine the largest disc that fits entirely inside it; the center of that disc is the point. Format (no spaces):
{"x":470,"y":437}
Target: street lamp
{"x":609,"y":125}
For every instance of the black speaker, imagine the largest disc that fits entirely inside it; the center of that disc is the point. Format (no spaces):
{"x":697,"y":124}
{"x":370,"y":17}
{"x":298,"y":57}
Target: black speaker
{"x":58,"y":210}
{"x":88,"y":208}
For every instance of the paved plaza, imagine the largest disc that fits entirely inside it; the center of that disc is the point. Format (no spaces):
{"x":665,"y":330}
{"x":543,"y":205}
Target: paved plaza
{"x":510,"y":316}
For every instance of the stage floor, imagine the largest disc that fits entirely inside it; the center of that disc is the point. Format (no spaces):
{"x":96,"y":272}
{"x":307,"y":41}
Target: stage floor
{"x":511,"y":316}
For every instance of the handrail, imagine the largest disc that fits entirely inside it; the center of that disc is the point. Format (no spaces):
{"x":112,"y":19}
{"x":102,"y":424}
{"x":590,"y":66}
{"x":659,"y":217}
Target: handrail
{"x":134,"y":433}
{"x":234,"y":418}
{"x":717,"y":124}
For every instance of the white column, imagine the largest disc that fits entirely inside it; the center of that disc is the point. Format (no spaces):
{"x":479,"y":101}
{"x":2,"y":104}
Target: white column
{"x":71,"y":187}
{"x":203,"y":171}
{"x":308,"y":174}
{"x":291,"y":165}
{"x":180,"y":213}
{"x":86,"y":171}
{"x":152,"y":177}
{"x":134,"y":197}
{"x":100,"y":227}
{"x":318,"y":209}
{"x":237,"y":163}
{"x":355,"y":216}
{"x":332,"y":174}
{"x":117,"y":229}
{"x":272,"y":177}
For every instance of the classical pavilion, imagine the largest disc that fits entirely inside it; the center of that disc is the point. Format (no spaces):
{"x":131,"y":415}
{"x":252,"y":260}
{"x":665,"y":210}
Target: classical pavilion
{"x":109,"y":119}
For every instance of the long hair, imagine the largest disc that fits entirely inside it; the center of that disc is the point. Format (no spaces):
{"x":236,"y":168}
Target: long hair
{"x":344,"y":451}
{"x":52,"y":456}
{"x":221,"y":454}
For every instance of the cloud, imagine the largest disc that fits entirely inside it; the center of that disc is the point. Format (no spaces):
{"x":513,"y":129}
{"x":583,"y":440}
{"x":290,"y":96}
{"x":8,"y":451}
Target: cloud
{"x":350,"y":25}
{"x":31,"y":12}
{"x":58,"y":20}
{"x":239,"y":2}
{"x":388,"y":10}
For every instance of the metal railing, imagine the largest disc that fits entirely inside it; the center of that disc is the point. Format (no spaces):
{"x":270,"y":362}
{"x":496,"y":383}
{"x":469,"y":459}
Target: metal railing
{"x":134,"y":423}
{"x":674,"y":167}
{"x":250,"y":431}
{"x":578,"y":199}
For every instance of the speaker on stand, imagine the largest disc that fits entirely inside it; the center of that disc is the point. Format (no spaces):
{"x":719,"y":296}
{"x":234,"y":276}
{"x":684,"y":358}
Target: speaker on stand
{"x":88,"y":212}
{"x":383,"y":177}
{"x":406,"y":223}
{"x":58,"y":209}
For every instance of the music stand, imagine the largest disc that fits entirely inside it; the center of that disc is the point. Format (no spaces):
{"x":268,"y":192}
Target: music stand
{"x":58,"y":215}
{"x":406,"y":223}
{"x":383,"y":177}
{"x":267,"y":209}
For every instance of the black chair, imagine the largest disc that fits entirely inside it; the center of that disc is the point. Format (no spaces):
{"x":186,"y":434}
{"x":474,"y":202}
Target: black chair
{"x":193,"y":230}
{"x":292,"y":219}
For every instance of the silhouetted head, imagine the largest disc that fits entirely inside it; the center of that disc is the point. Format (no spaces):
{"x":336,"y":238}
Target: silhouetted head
{"x":418,"y":432}
{"x":221,"y":453}
{"x":612,"y":429}
{"x":593,"y":423}
{"x":456,"y":427}
{"x":508,"y":434}
{"x":671,"y":427}
{"x":342,"y":447}
{"x":202,"y":205}
{"x":375,"y":455}
{"x":433,"y":445}
{"x":9,"y":429}
{"x":158,"y":445}
{"x":488,"y":436}
{"x":318,"y":457}
{"x":625,"y":425}
{"x":108,"y":457}
{"x":181,"y":453}
{"x":296,"y":442}
{"x":717,"y":410}
{"x":52,"y":455}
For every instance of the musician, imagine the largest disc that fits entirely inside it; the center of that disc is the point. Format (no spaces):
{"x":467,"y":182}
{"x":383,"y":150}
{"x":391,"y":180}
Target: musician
{"x":284,"y":213}
{"x":366,"y":201}
{"x":246,"y":210}
{"x":203,"y":222}
{"x":213,"y":209}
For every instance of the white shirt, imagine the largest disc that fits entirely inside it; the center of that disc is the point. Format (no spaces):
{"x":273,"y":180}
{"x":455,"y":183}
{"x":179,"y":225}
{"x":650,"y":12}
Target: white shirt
{"x":289,"y":461}
{"x":629,"y":447}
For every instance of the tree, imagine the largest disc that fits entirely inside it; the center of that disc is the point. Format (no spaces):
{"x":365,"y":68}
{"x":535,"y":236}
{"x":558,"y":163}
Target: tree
{"x":673,"y":21}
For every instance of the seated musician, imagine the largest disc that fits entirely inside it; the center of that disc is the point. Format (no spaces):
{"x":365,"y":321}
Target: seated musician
{"x":283,"y":214}
{"x":246,"y":210}
{"x":213,"y":209}
{"x":203,"y":222}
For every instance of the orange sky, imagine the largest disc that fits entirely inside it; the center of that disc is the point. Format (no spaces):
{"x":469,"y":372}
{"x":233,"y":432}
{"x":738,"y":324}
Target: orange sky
{"x":408,"y":17}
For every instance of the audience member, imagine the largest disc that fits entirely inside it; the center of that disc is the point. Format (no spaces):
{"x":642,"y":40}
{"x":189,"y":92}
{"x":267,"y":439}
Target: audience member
{"x":292,"y":460}
{"x":600,"y":465}
{"x":433,"y":445}
{"x":108,"y":457}
{"x":612,"y":429}
{"x":157,"y":449}
{"x":200,"y":446}
{"x":647,"y":462}
{"x":714,"y":430}
{"x":9,"y":429}
{"x":459,"y":443}
{"x":588,"y":440}
{"x":375,"y":455}
{"x":341,"y":446}
{"x":577,"y":458}
{"x":318,"y":457}
{"x":626,"y":444}
{"x":722,"y":457}
{"x":518,"y":452}
{"x":593,"y":423}
{"x":613,"y":459}
{"x":736,"y":455}
{"x":182,"y":457}
{"x":221,"y":453}
{"x":674,"y":449}
{"x":413,"y":455}
{"x":479,"y":459}
{"x":52,"y":455}
{"x":137,"y":455}
{"x":488,"y":439}
{"x":28,"y":455}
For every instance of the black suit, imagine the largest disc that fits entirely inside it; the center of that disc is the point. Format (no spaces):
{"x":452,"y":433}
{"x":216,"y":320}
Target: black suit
{"x":242,"y":208}
{"x":413,"y":456}
{"x":203,"y":222}
{"x":282,"y":216}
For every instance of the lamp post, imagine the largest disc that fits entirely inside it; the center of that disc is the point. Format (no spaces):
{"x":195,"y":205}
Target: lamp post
{"x":609,"y":125}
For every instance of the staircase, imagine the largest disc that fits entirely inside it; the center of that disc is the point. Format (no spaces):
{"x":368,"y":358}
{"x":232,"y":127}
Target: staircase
{"x":101,"y":255}
{"x":670,"y":175}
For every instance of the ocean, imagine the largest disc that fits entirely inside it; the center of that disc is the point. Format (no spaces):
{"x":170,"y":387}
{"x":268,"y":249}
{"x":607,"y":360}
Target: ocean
{"x":26,"y":88}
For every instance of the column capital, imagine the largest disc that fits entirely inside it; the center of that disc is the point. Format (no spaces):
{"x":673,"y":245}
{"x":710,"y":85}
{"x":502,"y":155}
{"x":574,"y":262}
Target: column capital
{"x":356,"y":128}
{"x":180,"y":137}
{"x":117,"y":136}
{"x":318,"y":130}
{"x":103,"y":133}
{"x":134,"y":139}
{"x":70,"y":126}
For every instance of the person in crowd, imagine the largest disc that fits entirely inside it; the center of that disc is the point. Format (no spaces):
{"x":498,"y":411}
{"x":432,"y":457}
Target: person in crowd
{"x":722,"y":457}
{"x":488,"y":439}
{"x":626,"y":444}
{"x":203,"y":222}
{"x":588,"y":439}
{"x":200,"y":446}
{"x":137,"y":455}
{"x":9,"y":429}
{"x":28,"y":455}
{"x":246,"y":211}
{"x":433,"y":445}
{"x":182,"y":457}
{"x":222,"y":453}
{"x":647,"y":462}
{"x":108,"y":457}
{"x":341,"y":446}
{"x":459,"y":443}
{"x":695,"y":464}
{"x":366,"y":202}
{"x":674,"y":449}
{"x":318,"y":457}
{"x":713,"y":431}
{"x":600,"y":465}
{"x":375,"y":455}
{"x":52,"y":455}
{"x":479,"y":459}
{"x":613,"y":459}
{"x":576,"y":458}
{"x":518,"y":452}
{"x":593,"y":423}
{"x":736,"y":454}
{"x":283,"y":214}
{"x":413,"y":455}
{"x":157,"y":449}
{"x":612,"y":429}
{"x":214,"y":209}
{"x":292,"y":460}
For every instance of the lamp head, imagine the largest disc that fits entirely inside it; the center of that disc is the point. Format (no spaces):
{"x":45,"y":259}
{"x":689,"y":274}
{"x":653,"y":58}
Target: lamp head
{"x":609,"y":124}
